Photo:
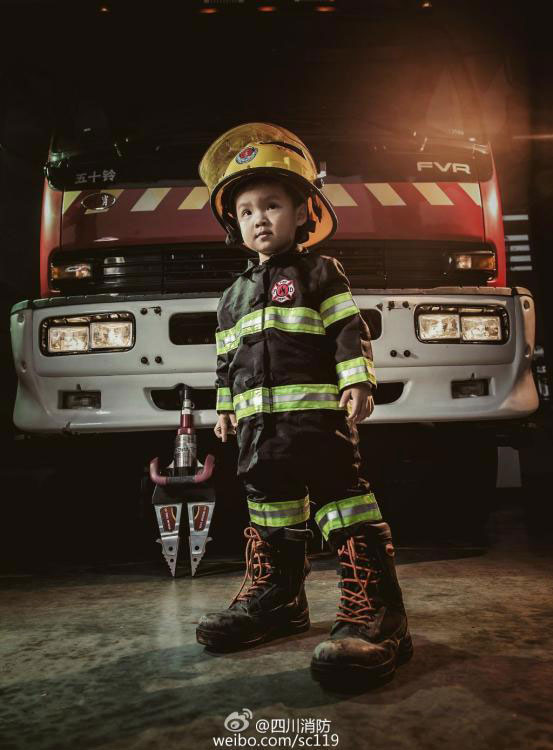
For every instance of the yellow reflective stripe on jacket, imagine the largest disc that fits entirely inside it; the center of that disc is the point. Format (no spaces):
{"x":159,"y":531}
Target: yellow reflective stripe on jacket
{"x":286,"y":398}
{"x":250,"y":402}
{"x":230,"y":338}
{"x":338,"y":307}
{"x":292,"y":319}
{"x":279,"y":513}
{"x":357,"y":370}
{"x":224,"y":400}
{"x":297,"y":397}
{"x":344,"y":513}
{"x":226,"y":340}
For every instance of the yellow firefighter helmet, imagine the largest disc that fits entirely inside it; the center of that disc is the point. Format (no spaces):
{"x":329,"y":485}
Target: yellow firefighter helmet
{"x":261,"y":149}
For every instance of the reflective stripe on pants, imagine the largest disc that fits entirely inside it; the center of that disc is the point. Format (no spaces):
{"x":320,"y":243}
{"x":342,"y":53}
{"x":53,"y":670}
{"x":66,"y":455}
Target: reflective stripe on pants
{"x":347,"y":512}
{"x":278,"y":514}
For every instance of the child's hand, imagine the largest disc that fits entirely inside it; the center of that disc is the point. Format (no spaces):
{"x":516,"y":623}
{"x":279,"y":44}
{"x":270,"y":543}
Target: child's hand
{"x":226,"y":425}
{"x":358,"y":401}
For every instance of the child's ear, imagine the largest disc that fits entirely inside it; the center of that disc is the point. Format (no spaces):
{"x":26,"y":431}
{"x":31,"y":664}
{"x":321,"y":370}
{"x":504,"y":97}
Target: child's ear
{"x":301,"y":214}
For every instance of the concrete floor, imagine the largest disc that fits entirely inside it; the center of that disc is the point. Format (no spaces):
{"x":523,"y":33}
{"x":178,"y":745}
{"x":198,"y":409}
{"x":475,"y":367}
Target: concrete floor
{"x":107,"y":658}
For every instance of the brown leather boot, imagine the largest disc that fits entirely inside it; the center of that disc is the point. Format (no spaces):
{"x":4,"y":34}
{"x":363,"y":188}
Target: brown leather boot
{"x":370,"y":636}
{"x":274,"y":602}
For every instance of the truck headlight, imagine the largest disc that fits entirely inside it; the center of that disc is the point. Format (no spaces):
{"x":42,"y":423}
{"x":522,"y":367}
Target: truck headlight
{"x":111,"y":335}
{"x":462,"y":324}
{"x":71,"y":271}
{"x":68,"y":339}
{"x":87,"y":334}
{"x":438,"y":326}
{"x":481,"y":260}
{"x":481,"y":328}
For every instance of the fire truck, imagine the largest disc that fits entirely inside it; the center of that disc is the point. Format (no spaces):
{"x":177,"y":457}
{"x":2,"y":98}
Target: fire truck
{"x":131,"y":277}
{"x":132,"y":264}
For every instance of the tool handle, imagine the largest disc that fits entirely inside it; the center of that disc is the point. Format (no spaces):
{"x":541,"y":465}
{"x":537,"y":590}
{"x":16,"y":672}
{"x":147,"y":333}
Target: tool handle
{"x":199,"y":478}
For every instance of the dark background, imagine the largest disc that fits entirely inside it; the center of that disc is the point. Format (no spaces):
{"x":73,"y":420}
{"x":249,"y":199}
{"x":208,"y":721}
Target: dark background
{"x":64,"y":498}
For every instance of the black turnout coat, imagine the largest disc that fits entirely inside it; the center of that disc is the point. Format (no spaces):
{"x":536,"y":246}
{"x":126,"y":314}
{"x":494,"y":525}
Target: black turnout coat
{"x":290,"y":339}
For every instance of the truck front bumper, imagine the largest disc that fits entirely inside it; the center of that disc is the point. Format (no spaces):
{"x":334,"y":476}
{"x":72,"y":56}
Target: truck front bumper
{"x":127,"y":381}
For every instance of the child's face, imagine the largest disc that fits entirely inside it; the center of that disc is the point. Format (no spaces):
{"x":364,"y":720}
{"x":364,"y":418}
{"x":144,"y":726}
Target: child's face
{"x":268,"y":219}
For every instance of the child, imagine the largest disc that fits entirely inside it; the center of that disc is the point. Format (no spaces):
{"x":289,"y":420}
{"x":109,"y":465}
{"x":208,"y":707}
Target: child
{"x":293,"y":356}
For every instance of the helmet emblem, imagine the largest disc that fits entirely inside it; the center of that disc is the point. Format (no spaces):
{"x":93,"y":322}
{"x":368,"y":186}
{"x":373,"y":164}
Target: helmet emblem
{"x":283,"y":291}
{"x":247,"y":154}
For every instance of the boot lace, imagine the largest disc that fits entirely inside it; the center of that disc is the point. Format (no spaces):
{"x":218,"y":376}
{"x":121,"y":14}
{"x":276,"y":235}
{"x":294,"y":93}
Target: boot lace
{"x":356,"y":606}
{"x":259,"y":565}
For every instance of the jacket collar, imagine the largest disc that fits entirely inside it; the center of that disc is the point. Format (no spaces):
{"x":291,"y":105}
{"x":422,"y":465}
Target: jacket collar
{"x":274,"y":260}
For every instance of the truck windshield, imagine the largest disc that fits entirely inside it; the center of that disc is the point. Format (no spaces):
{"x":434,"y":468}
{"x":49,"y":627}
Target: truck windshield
{"x":355,"y":83}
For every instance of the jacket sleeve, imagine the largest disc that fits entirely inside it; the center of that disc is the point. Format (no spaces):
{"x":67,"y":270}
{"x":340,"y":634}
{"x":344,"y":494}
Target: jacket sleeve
{"x":226,"y":343}
{"x":345,"y":327}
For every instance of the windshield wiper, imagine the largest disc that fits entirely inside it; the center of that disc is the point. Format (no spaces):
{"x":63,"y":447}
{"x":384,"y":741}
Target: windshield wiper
{"x":454,"y":141}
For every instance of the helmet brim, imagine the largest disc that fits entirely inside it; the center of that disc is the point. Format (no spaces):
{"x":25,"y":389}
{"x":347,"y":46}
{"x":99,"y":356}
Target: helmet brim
{"x":319,"y":207}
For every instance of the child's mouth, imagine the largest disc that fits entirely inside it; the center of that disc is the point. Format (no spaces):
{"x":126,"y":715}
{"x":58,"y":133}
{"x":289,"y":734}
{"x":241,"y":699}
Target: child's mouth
{"x":263,"y":235}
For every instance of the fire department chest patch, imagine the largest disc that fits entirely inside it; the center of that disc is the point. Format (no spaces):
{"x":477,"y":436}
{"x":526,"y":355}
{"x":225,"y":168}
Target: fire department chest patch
{"x":283,"y":290}
{"x":247,"y":154}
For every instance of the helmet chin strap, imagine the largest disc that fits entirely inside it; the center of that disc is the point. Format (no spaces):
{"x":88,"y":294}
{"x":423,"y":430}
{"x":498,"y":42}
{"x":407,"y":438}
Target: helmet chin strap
{"x":285,"y":247}
{"x":316,"y":208}
{"x":234,"y":237}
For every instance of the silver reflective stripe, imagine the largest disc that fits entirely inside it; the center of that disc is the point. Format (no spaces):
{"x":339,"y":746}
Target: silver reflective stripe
{"x":269,"y":317}
{"x":276,"y":513}
{"x":287,"y":317}
{"x":352,"y":371}
{"x":340,"y":306}
{"x":345,"y":513}
{"x":253,"y":323}
{"x":305,"y":397}
{"x":257,"y":400}
{"x":279,"y":513}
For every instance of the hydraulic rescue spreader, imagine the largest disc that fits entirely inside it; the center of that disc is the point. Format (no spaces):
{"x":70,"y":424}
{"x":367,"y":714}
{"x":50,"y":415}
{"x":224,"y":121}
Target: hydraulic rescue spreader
{"x":186,"y":481}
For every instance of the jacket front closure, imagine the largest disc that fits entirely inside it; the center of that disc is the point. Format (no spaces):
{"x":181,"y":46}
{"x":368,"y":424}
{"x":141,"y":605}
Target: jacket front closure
{"x":262,"y":275}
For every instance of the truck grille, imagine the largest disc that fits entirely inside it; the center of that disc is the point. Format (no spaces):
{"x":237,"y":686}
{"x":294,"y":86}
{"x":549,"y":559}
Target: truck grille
{"x":212,"y":268}
{"x":168,"y":399}
{"x":189,"y":329}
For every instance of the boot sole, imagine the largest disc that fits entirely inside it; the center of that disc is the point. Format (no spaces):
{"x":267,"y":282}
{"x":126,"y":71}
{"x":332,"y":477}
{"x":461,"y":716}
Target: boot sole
{"x":353,"y":677}
{"x":220,"y":642}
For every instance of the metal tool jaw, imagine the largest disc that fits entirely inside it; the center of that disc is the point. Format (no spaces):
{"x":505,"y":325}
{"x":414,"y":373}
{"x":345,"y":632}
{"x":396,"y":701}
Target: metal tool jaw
{"x":170,"y":493}
{"x":199,"y":521}
{"x":168,"y":520}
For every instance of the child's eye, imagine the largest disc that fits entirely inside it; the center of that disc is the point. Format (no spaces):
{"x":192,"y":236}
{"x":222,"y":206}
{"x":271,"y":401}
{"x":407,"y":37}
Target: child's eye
{"x":245,"y":211}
